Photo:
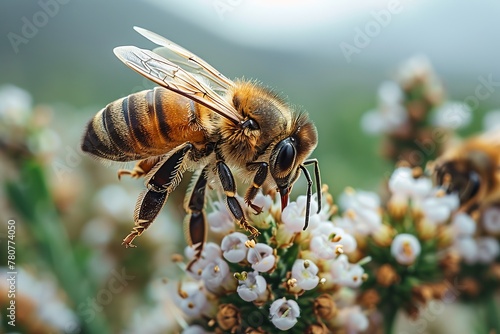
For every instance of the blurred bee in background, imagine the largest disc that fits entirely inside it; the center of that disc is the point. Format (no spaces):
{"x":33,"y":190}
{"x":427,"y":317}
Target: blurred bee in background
{"x":471,"y":169}
{"x":199,"y":120}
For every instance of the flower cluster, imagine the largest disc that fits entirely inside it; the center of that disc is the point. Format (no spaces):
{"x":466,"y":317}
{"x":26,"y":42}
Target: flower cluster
{"x":424,"y":247}
{"x":287,"y":279}
{"x":414,"y":115}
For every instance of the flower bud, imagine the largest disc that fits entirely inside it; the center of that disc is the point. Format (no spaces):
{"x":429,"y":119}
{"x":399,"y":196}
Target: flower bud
{"x":317,"y":329}
{"x":324,"y":307}
{"x":405,"y":248}
{"x":386,"y":275}
{"x":228,"y":317}
{"x":450,"y":263}
{"x":422,"y":293}
{"x":383,"y":236}
{"x":369,"y":298}
{"x":251,"y":330}
{"x":426,"y":230}
{"x":470,"y":286}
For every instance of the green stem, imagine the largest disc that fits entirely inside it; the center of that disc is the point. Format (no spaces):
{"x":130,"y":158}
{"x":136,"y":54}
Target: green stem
{"x":33,"y":201}
{"x":389,"y":317}
{"x":492,"y":314}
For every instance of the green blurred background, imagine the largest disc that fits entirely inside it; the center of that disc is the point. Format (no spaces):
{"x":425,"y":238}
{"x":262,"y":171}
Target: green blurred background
{"x":292,"y":47}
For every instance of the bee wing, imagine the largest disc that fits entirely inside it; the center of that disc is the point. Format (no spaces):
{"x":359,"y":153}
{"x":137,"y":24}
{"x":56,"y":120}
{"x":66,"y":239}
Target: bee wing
{"x":185,"y":59}
{"x":171,"y":76}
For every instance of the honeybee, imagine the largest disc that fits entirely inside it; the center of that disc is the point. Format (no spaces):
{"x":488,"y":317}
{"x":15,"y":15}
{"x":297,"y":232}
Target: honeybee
{"x":199,"y":120}
{"x":471,"y":169}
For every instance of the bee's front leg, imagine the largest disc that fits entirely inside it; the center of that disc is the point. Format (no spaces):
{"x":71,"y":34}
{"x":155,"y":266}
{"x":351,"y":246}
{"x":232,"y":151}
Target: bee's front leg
{"x":258,"y":181}
{"x":161,"y":181}
{"x":229,"y":187}
{"x":195,"y":227}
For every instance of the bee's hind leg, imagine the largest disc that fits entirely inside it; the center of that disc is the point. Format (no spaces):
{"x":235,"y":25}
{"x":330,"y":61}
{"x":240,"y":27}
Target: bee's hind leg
{"x":258,"y":180}
{"x":141,"y":168}
{"x":163,"y":179}
{"x":195,"y":227}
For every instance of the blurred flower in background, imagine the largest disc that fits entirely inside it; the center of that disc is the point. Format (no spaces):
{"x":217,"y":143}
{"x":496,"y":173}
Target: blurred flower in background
{"x":365,"y":257}
{"x":414,"y":115}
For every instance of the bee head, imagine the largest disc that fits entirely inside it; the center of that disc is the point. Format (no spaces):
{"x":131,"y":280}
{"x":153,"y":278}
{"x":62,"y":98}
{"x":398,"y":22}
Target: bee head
{"x":289,"y":153}
{"x":455,"y":177}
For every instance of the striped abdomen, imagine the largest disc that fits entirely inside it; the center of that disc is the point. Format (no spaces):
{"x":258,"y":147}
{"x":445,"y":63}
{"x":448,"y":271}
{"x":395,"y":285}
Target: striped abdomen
{"x":144,"y":124}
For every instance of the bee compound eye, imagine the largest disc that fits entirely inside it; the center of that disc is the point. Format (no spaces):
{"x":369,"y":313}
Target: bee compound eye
{"x":286,"y":155}
{"x":251,"y":124}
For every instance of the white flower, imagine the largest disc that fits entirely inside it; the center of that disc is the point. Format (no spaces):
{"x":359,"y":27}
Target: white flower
{"x":437,"y":208}
{"x":463,"y":225}
{"x":452,"y":115}
{"x":265,"y":202}
{"x":116,"y":201}
{"x":302,"y":202}
{"x":220,"y":220}
{"x":44,"y":141}
{"x":390,"y":113}
{"x":327,"y":238}
{"x":467,"y":248}
{"x":390,"y":93}
{"x":293,"y":217}
{"x":415,"y":68}
{"x":210,"y":251}
{"x":384,"y":119}
{"x":15,"y":105}
{"x":261,"y":257}
{"x":491,"y":220}
{"x":345,"y":273}
{"x":306,"y":274}
{"x":361,"y":211}
{"x":216,"y":276}
{"x":405,"y":248}
{"x":98,"y":232}
{"x":193,"y":302}
{"x":403,"y":183}
{"x":43,"y":295}
{"x":488,"y":250}
{"x":233,"y":247}
{"x":353,"y":319}
{"x":157,"y":319}
{"x":251,"y":288}
{"x":284,"y":313}
{"x":195,"y":329}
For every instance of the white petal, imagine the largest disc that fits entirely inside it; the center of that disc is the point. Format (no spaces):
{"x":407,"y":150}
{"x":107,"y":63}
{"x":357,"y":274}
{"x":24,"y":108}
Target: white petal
{"x":488,"y":249}
{"x":405,"y":241}
{"x":464,"y":225}
{"x":233,"y":247}
{"x":452,"y":115}
{"x":389,"y":92}
{"x":491,"y":220}
{"x":373,"y":123}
